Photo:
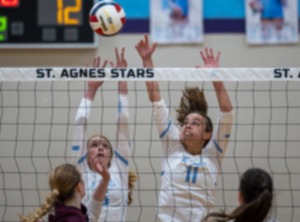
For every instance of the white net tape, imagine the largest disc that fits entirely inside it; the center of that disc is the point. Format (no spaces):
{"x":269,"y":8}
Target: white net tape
{"x":141,"y":74}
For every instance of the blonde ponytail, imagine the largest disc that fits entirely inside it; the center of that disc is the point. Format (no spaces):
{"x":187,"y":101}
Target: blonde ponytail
{"x":132,"y":178}
{"x":43,"y":209}
{"x":62,"y":181}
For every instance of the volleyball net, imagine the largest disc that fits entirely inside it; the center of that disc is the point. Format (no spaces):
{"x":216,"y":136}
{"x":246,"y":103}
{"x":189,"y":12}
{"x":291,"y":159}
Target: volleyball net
{"x":38,"y":108}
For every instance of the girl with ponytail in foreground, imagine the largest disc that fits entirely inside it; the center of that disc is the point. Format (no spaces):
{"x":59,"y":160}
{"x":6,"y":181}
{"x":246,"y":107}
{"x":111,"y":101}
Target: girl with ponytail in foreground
{"x":67,"y":192}
{"x":255,"y":197}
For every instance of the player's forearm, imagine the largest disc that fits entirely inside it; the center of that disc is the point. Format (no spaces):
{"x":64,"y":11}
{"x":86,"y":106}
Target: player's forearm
{"x":90,"y":94}
{"x":94,"y":207}
{"x":153,"y":91}
{"x":222,"y":96}
{"x":100,"y":191}
{"x":148,"y":63}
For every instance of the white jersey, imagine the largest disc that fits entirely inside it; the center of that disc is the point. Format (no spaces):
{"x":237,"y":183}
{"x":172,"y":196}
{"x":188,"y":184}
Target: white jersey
{"x":114,"y":207}
{"x":188,"y":182}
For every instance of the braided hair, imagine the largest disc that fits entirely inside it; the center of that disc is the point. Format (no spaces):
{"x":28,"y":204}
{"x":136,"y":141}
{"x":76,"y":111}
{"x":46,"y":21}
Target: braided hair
{"x":63,"y":180}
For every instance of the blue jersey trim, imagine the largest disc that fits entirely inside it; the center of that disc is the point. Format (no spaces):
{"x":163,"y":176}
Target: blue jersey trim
{"x":75,"y":148}
{"x":166,"y":130}
{"x":82,"y":159}
{"x":188,"y":174}
{"x":121,"y":158}
{"x":195,"y":173}
{"x":119,"y":106}
{"x":217,"y":146}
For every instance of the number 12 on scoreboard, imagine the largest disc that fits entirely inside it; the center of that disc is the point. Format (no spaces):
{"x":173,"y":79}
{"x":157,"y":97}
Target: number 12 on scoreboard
{"x":9,"y":3}
{"x":63,"y":12}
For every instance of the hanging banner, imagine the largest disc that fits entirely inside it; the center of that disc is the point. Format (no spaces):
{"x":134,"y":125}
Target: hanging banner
{"x":272,"y":21}
{"x":176,"y":21}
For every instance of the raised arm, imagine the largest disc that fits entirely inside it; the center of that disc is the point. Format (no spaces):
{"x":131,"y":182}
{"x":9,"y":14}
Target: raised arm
{"x":78,"y":149}
{"x":102,"y":170}
{"x":95,"y":204}
{"x":222,"y":132}
{"x":122,"y":135}
{"x":145,"y":50}
{"x":121,"y":62}
{"x":92,"y":86}
{"x":210,"y":61}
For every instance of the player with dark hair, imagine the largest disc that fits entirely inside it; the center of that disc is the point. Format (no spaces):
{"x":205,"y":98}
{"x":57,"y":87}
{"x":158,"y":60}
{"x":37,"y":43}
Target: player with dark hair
{"x":255,"y":198}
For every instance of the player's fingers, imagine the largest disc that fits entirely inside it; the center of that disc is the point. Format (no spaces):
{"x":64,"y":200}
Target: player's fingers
{"x":218,"y":56}
{"x":105,"y":63}
{"x":96,"y":61}
{"x":211,"y":52}
{"x":203,"y":56}
{"x":117,"y":55}
{"x":123,"y":54}
{"x":99,"y":167}
{"x":154,"y":46}
{"x":146,"y":39}
{"x":206,"y":52}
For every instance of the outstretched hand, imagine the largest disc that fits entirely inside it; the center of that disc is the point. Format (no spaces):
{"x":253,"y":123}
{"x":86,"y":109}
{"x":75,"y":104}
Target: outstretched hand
{"x":94,"y":85}
{"x":209,"y":59}
{"x":103,"y":171}
{"x":121,"y":62}
{"x":99,"y":168}
{"x":145,"y":49}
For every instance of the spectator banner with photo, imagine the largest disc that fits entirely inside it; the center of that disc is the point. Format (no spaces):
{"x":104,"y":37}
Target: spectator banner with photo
{"x":272,"y":21}
{"x":176,"y":21}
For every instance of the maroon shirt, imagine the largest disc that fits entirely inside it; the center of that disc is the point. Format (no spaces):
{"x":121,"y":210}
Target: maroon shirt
{"x":65,"y":213}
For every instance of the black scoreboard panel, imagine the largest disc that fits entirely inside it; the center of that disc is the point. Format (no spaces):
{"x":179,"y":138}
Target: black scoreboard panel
{"x":46,"y":24}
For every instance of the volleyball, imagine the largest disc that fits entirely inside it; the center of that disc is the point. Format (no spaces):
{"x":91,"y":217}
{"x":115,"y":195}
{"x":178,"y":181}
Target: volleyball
{"x":107,"y":18}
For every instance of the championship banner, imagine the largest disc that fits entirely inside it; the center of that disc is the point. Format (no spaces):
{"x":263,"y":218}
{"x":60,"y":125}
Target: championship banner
{"x":176,"y":21}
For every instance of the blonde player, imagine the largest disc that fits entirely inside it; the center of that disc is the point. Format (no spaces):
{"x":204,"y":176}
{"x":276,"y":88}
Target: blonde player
{"x":67,"y":192}
{"x":192,"y":155}
{"x":116,"y":200}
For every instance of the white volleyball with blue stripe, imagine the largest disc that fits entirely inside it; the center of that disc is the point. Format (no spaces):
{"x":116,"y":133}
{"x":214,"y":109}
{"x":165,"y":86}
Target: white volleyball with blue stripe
{"x":107,"y":18}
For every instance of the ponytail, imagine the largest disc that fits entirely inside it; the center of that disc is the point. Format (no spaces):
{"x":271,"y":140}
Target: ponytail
{"x":132,"y":178}
{"x":192,"y":100}
{"x":43,"y":209}
{"x":256,"y":210}
{"x":256,"y":187}
{"x":63,"y":181}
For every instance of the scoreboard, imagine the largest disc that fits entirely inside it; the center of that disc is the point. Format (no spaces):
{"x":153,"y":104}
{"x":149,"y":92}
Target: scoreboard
{"x":46,"y":24}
